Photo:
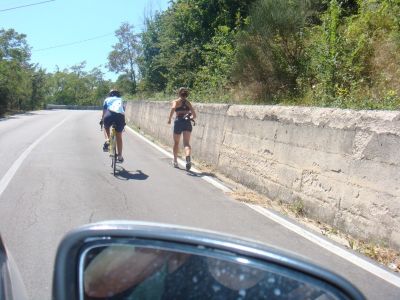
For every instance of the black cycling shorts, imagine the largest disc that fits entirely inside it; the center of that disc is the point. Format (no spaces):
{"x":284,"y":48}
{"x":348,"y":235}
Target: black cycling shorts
{"x":181,"y":124}
{"x":113,"y":117}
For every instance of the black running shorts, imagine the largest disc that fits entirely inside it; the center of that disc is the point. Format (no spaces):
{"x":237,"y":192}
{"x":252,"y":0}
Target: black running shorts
{"x":180,"y":125}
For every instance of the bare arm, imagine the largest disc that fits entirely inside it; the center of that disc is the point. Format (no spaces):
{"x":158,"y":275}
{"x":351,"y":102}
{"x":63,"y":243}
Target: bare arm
{"x":104,"y":110}
{"x":119,"y":268}
{"x":171,"y":113}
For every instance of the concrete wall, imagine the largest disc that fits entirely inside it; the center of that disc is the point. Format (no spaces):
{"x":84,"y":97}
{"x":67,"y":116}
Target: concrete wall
{"x":343,"y":165}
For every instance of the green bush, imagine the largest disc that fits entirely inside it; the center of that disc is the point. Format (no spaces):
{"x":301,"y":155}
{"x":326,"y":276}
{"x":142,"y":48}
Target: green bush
{"x":271,"y":53}
{"x":355,"y":59}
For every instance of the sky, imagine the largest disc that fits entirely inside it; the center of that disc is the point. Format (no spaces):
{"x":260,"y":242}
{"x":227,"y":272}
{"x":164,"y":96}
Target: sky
{"x":65,"y":33}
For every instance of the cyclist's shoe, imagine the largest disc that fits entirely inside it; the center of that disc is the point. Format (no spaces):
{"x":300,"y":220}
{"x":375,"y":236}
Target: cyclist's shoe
{"x":106,"y":146}
{"x":188,"y":163}
{"x":175,"y":164}
{"x":120,"y":159}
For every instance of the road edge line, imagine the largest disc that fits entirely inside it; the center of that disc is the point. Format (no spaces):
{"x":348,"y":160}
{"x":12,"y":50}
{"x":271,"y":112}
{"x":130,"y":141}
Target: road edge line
{"x":343,"y":253}
{"x":8,"y":176}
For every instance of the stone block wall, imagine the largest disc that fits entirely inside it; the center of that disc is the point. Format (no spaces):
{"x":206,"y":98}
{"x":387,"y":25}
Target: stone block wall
{"x":342,"y":165}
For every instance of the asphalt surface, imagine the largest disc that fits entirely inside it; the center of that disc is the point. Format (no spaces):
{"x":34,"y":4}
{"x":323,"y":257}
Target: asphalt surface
{"x":66,"y":181}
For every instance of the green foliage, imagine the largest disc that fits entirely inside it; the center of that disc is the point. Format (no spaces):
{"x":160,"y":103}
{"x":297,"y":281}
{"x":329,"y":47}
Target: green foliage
{"x":326,"y":55}
{"x":150,"y":66}
{"x":178,"y":43}
{"x":271,"y":52}
{"x":342,"y":53}
{"x":355,"y":59}
{"x":15,"y":72}
{"x":39,"y":89}
{"x":124,"y":84}
{"x":14,"y":47}
{"x":77,"y":87}
{"x":124,"y":57}
{"x":218,"y":56}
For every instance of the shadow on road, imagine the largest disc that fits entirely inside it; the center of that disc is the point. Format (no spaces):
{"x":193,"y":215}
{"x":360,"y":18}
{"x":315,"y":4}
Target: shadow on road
{"x":15,"y":115}
{"x":201,"y":174}
{"x":123,"y":174}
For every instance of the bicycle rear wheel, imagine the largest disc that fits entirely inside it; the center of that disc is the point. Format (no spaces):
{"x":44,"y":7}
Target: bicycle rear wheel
{"x":114,"y":163}
{"x":113,"y":150}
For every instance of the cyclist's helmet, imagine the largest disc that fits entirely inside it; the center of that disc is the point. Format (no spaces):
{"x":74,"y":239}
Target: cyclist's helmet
{"x":114,"y":93}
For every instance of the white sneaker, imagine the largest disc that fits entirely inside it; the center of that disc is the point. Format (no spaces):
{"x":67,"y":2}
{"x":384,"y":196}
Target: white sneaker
{"x":175,"y":164}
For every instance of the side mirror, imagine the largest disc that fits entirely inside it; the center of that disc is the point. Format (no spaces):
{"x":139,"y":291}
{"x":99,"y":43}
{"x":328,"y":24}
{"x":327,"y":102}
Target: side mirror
{"x":128,"y":260}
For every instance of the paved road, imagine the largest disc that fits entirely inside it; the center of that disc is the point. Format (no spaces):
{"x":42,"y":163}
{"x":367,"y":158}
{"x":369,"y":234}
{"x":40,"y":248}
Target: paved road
{"x":65,"y":181}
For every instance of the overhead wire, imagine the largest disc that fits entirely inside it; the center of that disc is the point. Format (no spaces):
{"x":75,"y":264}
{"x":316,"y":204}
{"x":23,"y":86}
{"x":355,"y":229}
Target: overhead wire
{"x":22,"y":6}
{"x":73,"y":43}
{"x":61,"y":45}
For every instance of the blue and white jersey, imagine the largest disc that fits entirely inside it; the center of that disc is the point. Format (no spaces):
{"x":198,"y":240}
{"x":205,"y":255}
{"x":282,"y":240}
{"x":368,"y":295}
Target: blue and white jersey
{"x":114,"y":104}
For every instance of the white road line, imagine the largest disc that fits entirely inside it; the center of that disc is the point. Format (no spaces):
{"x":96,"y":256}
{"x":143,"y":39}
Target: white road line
{"x":354,"y":259}
{"x":15,"y":166}
{"x":358,"y":261}
{"x":181,"y":162}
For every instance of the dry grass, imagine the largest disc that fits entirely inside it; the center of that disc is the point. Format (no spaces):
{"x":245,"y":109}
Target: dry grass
{"x":385,"y":63}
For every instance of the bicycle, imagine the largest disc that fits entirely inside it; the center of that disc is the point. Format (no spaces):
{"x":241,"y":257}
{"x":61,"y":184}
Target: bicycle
{"x":112,"y":148}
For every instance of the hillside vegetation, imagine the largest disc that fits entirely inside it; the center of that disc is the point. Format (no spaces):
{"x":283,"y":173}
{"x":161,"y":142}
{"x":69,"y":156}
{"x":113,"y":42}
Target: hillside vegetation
{"x":341,"y":53}
{"x":325,"y":53}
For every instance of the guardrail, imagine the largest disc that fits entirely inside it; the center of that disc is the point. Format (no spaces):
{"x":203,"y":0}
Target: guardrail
{"x":73,"y":107}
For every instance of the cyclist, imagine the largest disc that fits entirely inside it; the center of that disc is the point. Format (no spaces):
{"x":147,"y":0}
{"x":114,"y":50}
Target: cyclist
{"x":182,"y":125}
{"x":113,"y":112}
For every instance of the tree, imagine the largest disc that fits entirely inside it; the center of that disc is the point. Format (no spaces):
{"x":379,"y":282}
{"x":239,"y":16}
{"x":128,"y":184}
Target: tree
{"x":15,"y":71}
{"x":14,"y":47}
{"x":39,"y":88}
{"x":75,"y":86}
{"x":177,"y":44}
{"x":355,"y":58}
{"x":271,"y":52}
{"x":124,"y":57}
{"x":151,"y":69}
{"x":98,"y":85}
{"x":219,"y":57}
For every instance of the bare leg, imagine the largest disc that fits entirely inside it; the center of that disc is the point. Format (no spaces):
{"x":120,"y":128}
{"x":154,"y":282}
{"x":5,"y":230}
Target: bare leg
{"x":186,"y":142}
{"x":188,"y":149}
{"x":119,"y":144}
{"x":177,"y":138}
{"x":107,"y":139}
